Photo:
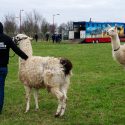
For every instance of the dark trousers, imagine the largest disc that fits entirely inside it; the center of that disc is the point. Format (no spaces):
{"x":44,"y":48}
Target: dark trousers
{"x":3,"y":73}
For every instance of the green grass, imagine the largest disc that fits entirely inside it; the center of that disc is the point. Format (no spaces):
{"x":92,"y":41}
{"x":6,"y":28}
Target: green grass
{"x":96,"y":95}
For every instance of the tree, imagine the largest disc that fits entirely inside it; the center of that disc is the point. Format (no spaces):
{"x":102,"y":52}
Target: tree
{"x":10,"y":26}
{"x":44,"y":27}
{"x":31,"y":24}
{"x":65,"y":26}
{"x":64,"y":29}
{"x":70,"y":25}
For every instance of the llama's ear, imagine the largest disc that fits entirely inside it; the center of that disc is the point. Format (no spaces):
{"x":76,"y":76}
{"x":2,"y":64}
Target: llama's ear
{"x":30,"y":38}
{"x":115,"y":26}
{"x":109,"y":26}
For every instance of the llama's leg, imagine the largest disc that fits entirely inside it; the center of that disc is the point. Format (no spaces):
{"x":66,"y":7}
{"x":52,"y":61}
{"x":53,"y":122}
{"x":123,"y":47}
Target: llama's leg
{"x":36,"y":99}
{"x":28,"y":91}
{"x":60,"y":98}
{"x":64,"y":89}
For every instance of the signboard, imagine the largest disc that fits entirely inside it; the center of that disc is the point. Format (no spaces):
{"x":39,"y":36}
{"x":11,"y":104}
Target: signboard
{"x":82,"y":34}
{"x":71,"y":34}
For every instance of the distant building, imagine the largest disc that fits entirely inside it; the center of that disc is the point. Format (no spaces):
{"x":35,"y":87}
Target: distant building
{"x":94,"y":31}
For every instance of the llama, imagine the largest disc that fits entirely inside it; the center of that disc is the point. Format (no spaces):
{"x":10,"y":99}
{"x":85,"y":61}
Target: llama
{"x":43,"y":72}
{"x":118,"y":51}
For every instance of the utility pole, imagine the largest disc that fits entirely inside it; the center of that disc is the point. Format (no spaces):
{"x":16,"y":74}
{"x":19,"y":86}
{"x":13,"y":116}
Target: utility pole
{"x":21,"y":20}
{"x":54,"y":22}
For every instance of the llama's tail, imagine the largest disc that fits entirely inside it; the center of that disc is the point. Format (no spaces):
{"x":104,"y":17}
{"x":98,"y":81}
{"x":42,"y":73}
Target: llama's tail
{"x":67,"y":65}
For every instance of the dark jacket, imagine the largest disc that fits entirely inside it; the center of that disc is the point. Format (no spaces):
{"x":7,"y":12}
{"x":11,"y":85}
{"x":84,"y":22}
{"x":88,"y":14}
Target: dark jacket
{"x":5,"y":44}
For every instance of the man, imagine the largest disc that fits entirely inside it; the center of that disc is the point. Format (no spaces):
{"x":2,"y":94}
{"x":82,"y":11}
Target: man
{"x":5,"y":44}
{"x":36,"y":37}
{"x":47,"y":36}
{"x":53,"y":38}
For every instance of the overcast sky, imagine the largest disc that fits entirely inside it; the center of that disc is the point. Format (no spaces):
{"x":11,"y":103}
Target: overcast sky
{"x":69,"y":10}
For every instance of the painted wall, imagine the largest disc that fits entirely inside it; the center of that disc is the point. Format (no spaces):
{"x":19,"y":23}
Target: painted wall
{"x":97,"y":30}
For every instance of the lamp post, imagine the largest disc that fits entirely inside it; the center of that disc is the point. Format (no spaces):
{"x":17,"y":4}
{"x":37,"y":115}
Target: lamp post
{"x":20,"y":19}
{"x":54,"y":21}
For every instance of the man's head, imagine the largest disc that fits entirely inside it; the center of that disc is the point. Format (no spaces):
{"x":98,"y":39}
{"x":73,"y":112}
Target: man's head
{"x":1,"y":28}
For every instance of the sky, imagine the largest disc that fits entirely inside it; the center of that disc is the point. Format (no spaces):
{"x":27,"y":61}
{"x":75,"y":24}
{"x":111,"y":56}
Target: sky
{"x":68,"y":10}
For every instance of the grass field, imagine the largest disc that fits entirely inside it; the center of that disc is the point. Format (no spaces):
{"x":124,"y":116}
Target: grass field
{"x":96,"y":95}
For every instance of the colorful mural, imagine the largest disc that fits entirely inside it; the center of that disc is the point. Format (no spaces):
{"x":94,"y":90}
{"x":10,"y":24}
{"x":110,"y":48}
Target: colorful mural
{"x":98,"y":30}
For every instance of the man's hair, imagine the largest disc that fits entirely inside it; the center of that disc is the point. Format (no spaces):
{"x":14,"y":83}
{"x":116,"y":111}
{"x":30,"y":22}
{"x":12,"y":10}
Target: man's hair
{"x":1,"y":27}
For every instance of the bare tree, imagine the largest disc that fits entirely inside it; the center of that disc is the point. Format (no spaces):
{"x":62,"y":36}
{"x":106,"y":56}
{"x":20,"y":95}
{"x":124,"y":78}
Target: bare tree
{"x":34,"y":23}
{"x":44,"y":27}
{"x":37,"y":20}
{"x":62,"y":27}
{"x":65,"y":26}
{"x":70,"y":25}
{"x":28,"y":25}
{"x":31,"y":24}
{"x":10,"y":26}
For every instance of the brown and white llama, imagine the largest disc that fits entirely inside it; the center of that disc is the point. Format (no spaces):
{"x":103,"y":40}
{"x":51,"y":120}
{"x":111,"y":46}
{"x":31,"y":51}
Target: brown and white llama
{"x":39,"y":72}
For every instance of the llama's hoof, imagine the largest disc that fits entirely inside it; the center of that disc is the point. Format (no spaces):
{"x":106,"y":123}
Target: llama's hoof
{"x":26,"y":111}
{"x":57,"y":115}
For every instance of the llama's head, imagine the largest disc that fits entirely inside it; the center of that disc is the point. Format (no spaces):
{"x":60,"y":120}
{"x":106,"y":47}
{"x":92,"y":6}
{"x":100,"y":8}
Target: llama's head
{"x":112,"y":31}
{"x":19,"y":37}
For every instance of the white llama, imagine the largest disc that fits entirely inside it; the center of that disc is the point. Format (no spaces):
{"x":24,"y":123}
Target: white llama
{"x":118,"y":51}
{"x":40,"y":72}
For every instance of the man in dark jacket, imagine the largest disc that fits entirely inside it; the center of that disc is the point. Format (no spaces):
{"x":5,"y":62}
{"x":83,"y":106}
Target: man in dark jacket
{"x":36,"y":37}
{"x":5,"y":44}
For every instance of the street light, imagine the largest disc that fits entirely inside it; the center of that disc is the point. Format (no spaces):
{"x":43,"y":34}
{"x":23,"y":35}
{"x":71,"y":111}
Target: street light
{"x":54,"y":20}
{"x":20,"y":19}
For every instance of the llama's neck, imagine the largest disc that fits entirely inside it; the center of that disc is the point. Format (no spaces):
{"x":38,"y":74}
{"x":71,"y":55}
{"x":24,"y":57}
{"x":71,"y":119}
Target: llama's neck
{"x":26,"y":47}
{"x":115,"y":42}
